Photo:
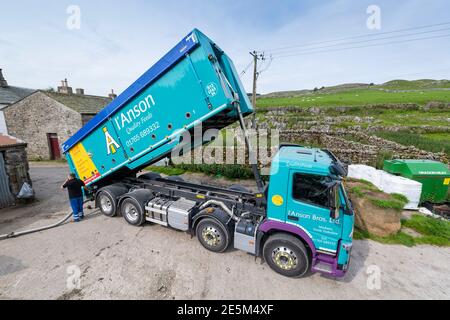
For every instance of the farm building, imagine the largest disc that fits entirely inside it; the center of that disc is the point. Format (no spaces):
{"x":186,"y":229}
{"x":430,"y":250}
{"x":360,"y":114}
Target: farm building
{"x":13,"y":169}
{"x":45,"y":119}
{"x":9,"y":95}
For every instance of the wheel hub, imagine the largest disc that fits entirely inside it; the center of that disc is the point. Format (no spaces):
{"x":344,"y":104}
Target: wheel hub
{"x":105,"y":204}
{"x":284,"y":258}
{"x":131,"y":212}
{"x":211,"y":236}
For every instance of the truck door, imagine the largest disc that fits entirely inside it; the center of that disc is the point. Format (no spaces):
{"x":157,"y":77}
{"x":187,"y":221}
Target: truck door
{"x":310,"y":203}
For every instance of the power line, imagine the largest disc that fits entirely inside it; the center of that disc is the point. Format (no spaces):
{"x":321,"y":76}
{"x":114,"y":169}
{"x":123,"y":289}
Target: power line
{"x":356,"y":37}
{"x":358,"y":47}
{"x":365,"y":41}
{"x":267,"y":66}
{"x":246,"y":68}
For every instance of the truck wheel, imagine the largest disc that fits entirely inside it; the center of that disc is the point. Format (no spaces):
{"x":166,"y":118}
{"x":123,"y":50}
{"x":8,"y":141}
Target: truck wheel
{"x":107,"y":203}
{"x":212,"y":235}
{"x":133,"y":212}
{"x":286,"y":255}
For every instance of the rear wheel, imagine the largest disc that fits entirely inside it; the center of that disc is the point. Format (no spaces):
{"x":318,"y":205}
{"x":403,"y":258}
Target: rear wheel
{"x":286,"y":255}
{"x":213,"y":235}
{"x":133,"y":212}
{"x":107,"y":203}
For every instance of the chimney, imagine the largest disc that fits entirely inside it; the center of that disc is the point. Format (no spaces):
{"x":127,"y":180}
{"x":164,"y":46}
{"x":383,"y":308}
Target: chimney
{"x":65,"y":87}
{"x":112,"y":95}
{"x":80,"y":91}
{"x":3,"y":82}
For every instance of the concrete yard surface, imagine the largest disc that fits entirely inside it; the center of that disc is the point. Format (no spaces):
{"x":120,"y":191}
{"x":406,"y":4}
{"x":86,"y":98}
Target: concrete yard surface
{"x":105,"y":258}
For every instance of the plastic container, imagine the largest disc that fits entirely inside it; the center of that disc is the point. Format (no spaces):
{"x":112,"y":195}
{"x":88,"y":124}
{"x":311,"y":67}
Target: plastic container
{"x":434,"y":177}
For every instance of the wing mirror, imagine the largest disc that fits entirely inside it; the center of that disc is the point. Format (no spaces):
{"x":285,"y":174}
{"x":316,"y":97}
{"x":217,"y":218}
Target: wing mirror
{"x":334,"y":213}
{"x":335,"y":203}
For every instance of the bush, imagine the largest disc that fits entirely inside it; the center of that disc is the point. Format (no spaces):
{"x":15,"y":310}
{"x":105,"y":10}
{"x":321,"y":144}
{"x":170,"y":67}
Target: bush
{"x":230,"y":171}
{"x":170,"y":171}
{"x":382,"y":156}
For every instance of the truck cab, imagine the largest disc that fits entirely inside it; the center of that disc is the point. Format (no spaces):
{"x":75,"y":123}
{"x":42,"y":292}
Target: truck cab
{"x":306,"y":199}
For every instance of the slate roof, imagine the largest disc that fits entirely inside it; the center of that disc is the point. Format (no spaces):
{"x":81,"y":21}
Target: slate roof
{"x":84,"y":104}
{"x":10,"y":94}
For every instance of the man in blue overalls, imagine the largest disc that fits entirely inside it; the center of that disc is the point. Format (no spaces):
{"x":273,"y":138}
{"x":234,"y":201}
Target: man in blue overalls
{"x":75,"y":188}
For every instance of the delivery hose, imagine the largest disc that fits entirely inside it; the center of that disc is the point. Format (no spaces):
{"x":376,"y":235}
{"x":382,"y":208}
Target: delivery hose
{"x":34,"y":230}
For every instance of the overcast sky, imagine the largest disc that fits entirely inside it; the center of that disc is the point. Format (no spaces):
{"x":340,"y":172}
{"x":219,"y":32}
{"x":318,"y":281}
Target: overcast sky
{"x":119,"y":40}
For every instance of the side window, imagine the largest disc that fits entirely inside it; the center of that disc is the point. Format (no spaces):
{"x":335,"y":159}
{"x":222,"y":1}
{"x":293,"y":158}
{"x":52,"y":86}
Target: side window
{"x":314,"y":190}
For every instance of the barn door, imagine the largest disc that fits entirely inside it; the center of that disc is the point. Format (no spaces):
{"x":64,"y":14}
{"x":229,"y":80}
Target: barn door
{"x":55,"y":151}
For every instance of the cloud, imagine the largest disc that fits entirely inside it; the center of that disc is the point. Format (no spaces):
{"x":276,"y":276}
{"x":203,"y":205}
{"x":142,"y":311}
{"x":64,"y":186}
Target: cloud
{"x":118,"y":42}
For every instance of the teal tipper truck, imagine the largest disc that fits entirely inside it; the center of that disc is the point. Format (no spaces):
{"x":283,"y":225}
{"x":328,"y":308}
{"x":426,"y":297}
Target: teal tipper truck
{"x":301,"y":221}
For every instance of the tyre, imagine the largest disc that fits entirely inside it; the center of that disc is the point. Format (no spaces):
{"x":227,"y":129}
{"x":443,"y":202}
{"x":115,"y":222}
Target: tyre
{"x":107,"y":203}
{"x":150,"y":176}
{"x":286,"y":255}
{"x":238,"y":188}
{"x":106,"y":198}
{"x":213,"y":235}
{"x":132,"y":211}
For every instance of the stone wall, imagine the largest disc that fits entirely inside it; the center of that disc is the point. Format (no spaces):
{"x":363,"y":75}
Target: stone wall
{"x":38,"y":115}
{"x":348,"y":131}
{"x":16,"y":167}
{"x":351,"y":147}
{"x":357,"y":147}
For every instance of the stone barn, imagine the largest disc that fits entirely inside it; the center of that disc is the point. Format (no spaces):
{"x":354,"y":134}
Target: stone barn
{"x":9,"y":95}
{"x":14,"y":169}
{"x":46,"y":119}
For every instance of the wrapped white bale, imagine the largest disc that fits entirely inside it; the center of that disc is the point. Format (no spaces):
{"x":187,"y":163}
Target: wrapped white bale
{"x":363,"y":172}
{"x":409,"y":188}
{"x":389,"y":183}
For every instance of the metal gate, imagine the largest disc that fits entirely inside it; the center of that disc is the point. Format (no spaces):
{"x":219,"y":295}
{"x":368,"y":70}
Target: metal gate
{"x":6,"y":197}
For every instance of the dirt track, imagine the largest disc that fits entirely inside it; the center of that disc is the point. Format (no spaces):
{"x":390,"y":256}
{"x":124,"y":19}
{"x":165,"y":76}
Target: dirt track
{"x":117,"y":261}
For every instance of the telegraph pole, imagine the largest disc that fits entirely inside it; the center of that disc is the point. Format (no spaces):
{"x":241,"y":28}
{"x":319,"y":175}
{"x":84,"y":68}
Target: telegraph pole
{"x":256,"y":56}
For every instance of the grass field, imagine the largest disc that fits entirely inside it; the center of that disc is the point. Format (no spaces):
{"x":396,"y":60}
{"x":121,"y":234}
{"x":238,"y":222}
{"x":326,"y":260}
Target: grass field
{"x":356,"y":97}
{"x":434,"y":142}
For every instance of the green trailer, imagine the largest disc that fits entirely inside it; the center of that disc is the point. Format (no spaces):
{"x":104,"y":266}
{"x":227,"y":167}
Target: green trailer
{"x":434,"y":176}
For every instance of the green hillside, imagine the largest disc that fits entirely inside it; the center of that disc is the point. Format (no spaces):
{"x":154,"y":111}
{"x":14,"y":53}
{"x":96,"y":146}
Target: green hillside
{"x":396,"y":91}
{"x":357,"y":98}
{"x":407,"y":122}
{"x":416,"y":84}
